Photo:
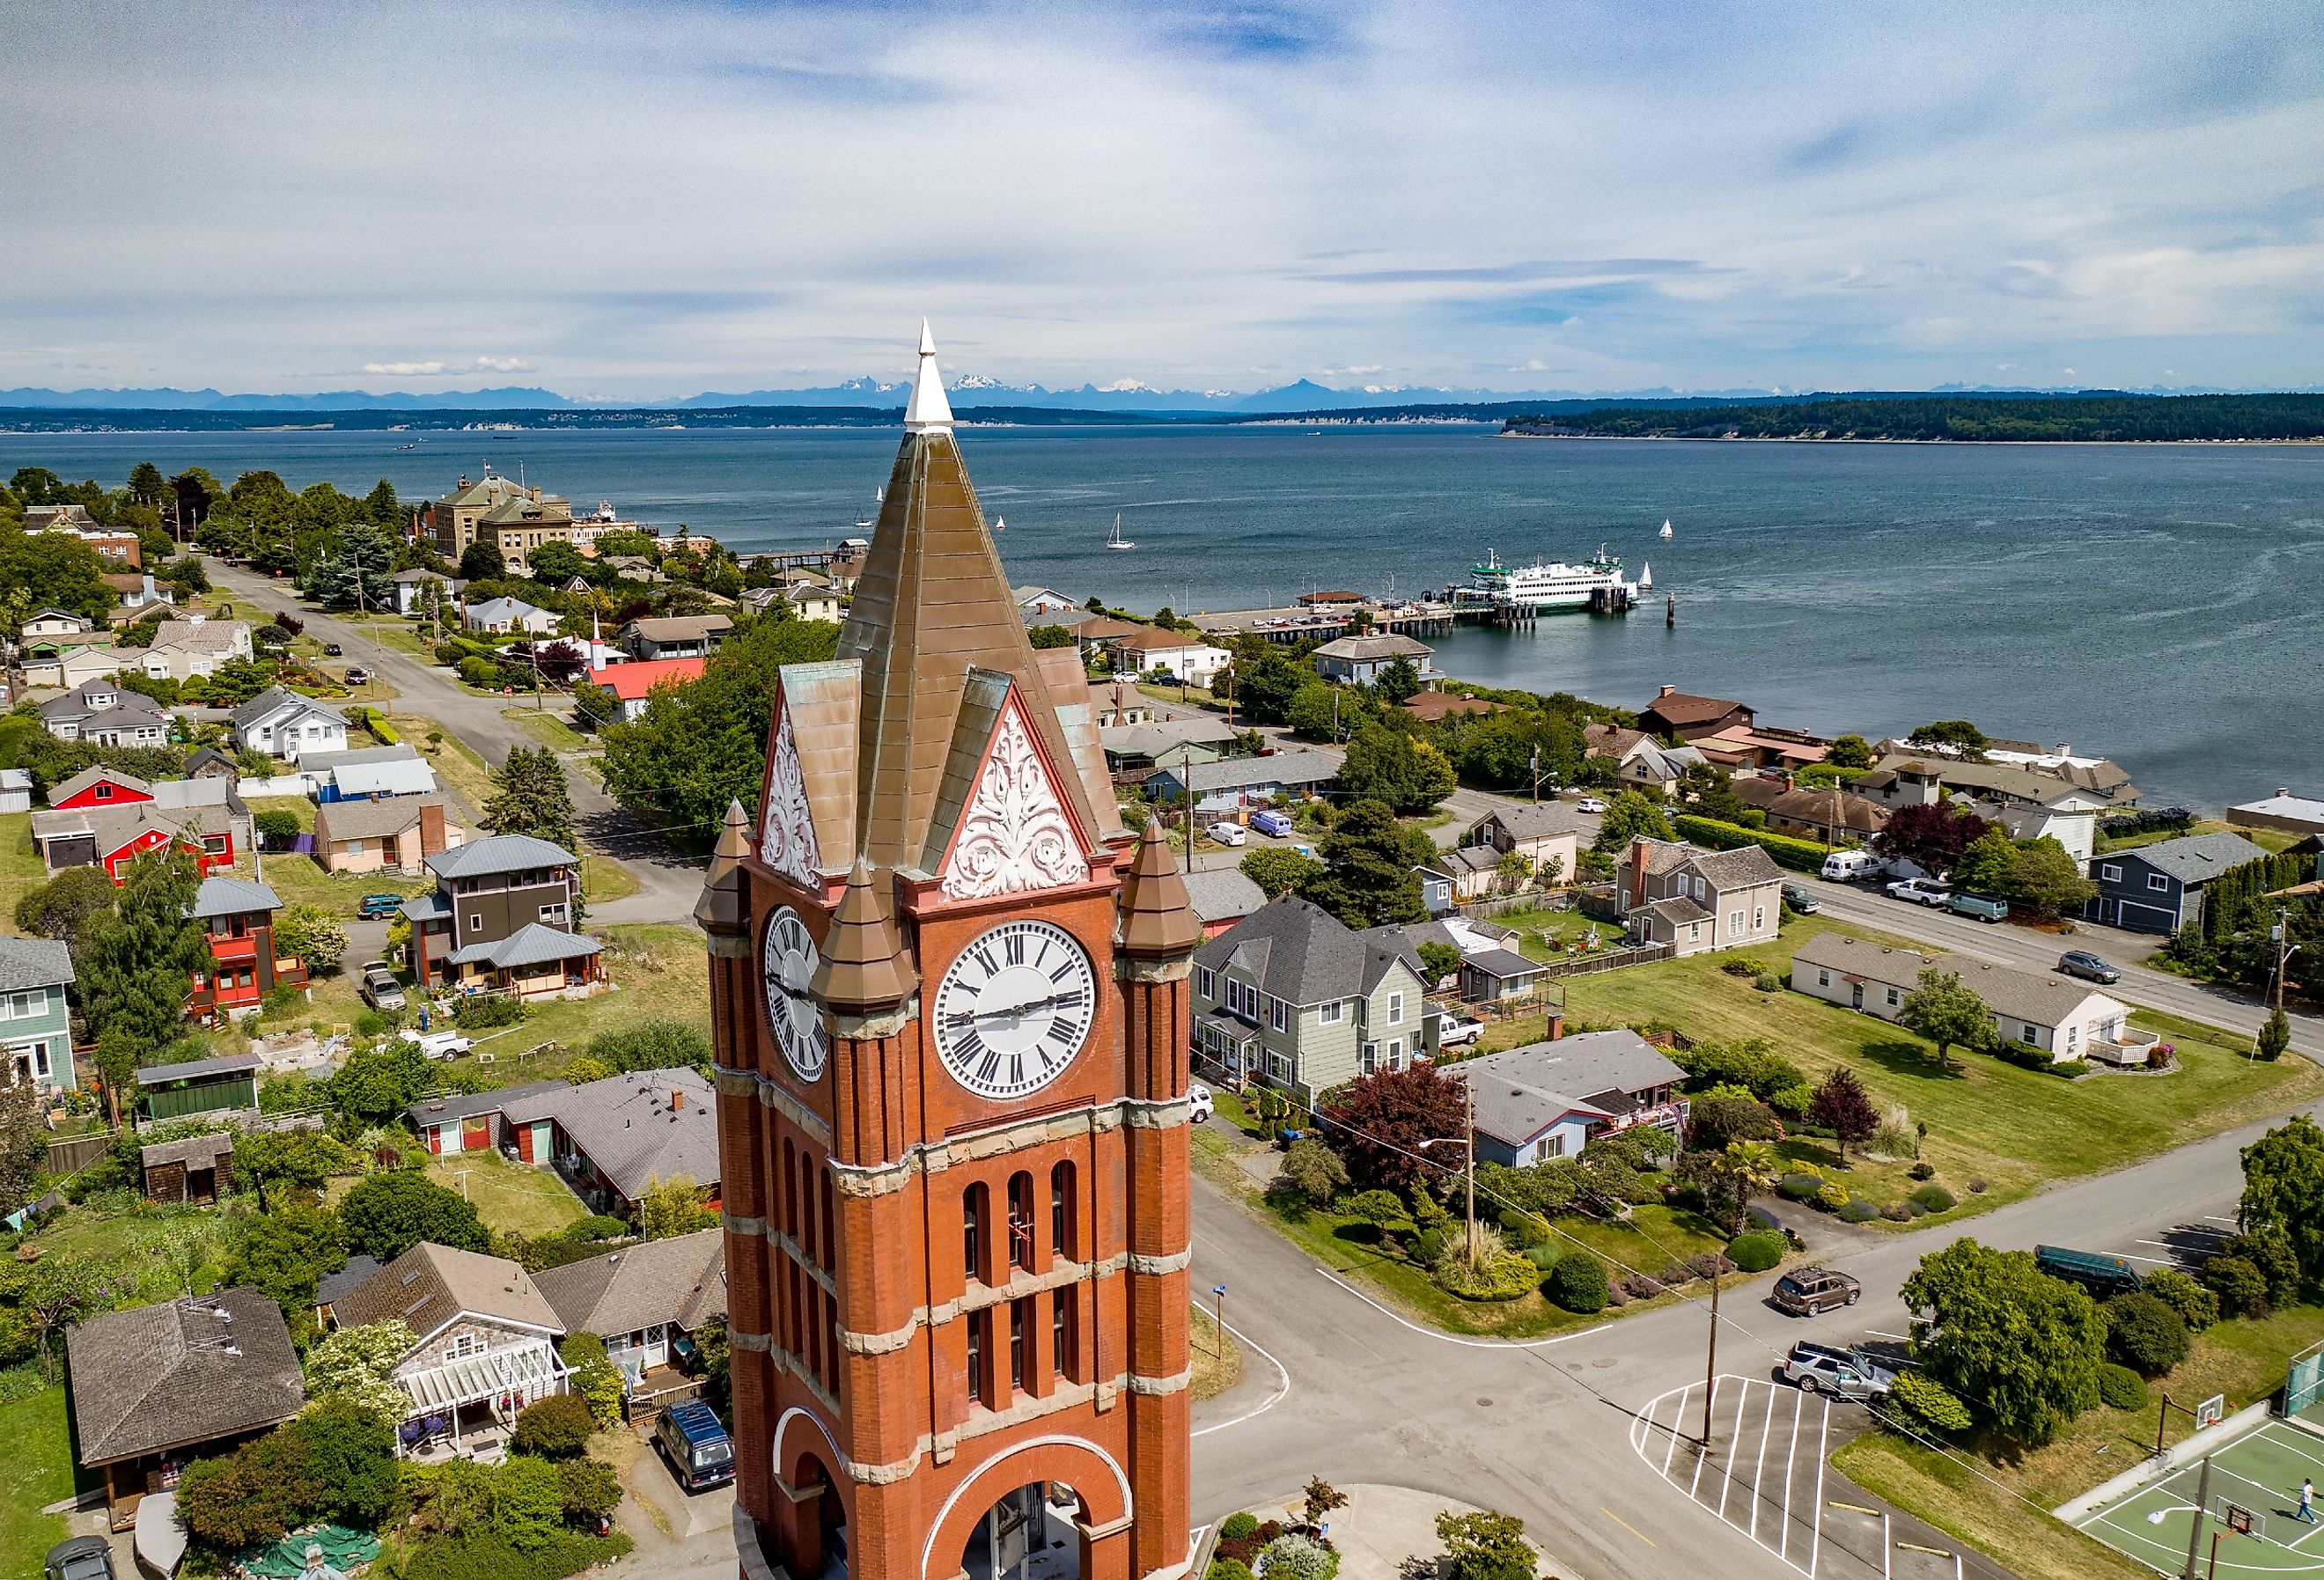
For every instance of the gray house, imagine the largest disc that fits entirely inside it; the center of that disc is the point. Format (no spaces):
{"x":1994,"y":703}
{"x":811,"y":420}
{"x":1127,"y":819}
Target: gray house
{"x":1242,"y":781}
{"x":1547,"y":1099}
{"x":2159,"y":888}
{"x":1292,"y":997}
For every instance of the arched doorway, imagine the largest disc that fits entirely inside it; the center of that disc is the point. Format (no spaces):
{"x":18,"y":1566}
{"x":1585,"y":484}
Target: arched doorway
{"x":1028,"y":1533}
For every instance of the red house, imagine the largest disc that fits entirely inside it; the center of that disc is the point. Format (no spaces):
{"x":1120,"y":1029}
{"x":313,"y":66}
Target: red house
{"x":239,"y":920}
{"x":103,"y":818}
{"x":99,"y":787}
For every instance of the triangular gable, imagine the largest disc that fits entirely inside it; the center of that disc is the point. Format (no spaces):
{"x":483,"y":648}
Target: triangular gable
{"x":1001,"y":824}
{"x":806,"y":801}
{"x":1060,"y":671}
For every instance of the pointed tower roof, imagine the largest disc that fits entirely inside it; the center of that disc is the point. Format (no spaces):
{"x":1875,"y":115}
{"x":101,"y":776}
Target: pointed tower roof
{"x":1156,"y":922}
{"x":931,"y":604}
{"x":928,"y":411}
{"x":863,"y":966}
{"x":721,"y":908}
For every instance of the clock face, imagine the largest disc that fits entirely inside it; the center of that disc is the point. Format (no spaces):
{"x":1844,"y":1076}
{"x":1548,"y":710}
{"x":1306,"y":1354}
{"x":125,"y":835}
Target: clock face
{"x":1014,"y":1008}
{"x":790,"y":958}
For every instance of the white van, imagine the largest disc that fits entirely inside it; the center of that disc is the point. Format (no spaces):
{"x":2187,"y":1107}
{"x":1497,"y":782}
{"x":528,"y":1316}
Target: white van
{"x":1849,"y":866}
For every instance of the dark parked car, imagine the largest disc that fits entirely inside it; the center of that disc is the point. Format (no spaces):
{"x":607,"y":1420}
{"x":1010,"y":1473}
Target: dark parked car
{"x":699,"y":1452}
{"x":357,"y":674}
{"x":84,"y":1557}
{"x":1801,"y":900}
{"x":331,"y":649}
{"x":2082,"y":963}
{"x":1811,"y":1291}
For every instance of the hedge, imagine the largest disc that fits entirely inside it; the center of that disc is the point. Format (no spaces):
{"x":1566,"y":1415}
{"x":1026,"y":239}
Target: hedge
{"x":1578,"y":1284}
{"x":376,"y":723}
{"x":1802,"y":855}
{"x":487,"y":1556}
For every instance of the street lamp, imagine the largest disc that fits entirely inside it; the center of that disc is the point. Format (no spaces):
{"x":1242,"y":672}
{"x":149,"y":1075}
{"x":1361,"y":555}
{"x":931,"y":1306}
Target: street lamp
{"x":1468,"y":1144}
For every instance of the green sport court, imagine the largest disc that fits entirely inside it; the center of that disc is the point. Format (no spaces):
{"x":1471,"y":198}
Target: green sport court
{"x":2259,"y":1473}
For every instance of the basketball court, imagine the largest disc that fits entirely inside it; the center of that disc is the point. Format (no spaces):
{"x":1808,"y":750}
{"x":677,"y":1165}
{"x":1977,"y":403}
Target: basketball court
{"x":2253,"y":1510}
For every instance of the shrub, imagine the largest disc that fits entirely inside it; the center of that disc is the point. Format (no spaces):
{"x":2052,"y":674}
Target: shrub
{"x":1802,"y":855}
{"x":1742,"y":965}
{"x":1768,"y":982}
{"x":597,"y":1226}
{"x":2238,"y":1286}
{"x":2197,"y":1307}
{"x":2270,"y":1251}
{"x":1916,"y":1207}
{"x":556,"y":1427}
{"x":1543,"y":1256}
{"x":1755,"y":1253}
{"x":1761,"y":1218}
{"x":1314,"y":1170}
{"x":485,"y":1011}
{"x":1427,"y":1246}
{"x":528,"y":1502}
{"x":652,"y":1045}
{"x":1792,"y":1102}
{"x":1485,"y":1546}
{"x":1896,"y":1211}
{"x":1500,"y":1274}
{"x":1922,"y":1171}
{"x":1523,"y":1230}
{"x":1578,"y":1283}
{"x":1293,"y":1556}
{"x":1934,"y":1198}
{"x":1799,"y":1187}
{"x":1228,"y":1569}
{"x":1832,"y":1199}
{"x":595,"y":1377}
{"x":1236,"y":1526}
{"x":2144,"y":1333}
{"x":486,"y":1555}
{"x":1857,"y":1210}
{"x":1936,"y":1405}
{"x":1976,"y":1185}
{"x":590,"y":1489}
{"x":2122,"y":1388}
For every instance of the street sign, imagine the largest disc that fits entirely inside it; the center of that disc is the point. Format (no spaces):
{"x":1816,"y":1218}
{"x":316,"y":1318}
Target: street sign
{"x":1220,"y":1290}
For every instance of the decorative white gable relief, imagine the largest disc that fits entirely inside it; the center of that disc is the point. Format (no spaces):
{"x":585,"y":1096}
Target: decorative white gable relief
{"x":1015,"y":834}
{"x":787,"y":831}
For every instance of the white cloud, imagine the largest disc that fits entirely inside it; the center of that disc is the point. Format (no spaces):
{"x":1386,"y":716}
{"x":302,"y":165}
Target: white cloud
{"x":403,"y":369}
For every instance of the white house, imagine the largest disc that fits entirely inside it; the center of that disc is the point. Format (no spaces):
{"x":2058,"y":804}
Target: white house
{"x":183,"y":648}
{"x":1547,"y":1099}
{"x":504,"y":616}
{"x":1186,"y":658}
{"x":72,"y":664}
{"x":283,"y":724}
{"x":53,"y":623}
{"x":411,"y":590}
{"x":1362,"y":660}
{"x":1036,"y":601}
{"x":2065,"y":1017}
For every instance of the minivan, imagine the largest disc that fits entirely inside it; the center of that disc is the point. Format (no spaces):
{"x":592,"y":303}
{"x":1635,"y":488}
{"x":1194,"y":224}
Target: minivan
{"x":1847,"y":866}
{"x":699,"y":1452}
{"x":1273,"y":824}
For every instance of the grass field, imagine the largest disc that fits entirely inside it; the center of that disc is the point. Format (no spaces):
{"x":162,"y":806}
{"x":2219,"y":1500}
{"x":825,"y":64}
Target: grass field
{"x":513,"y":1197}
{"x":456,"y":762}
{"x":2267,"y":839}
{"x":551,"y":727}
{"x":2001,"y":1505}
{"x":21,"y":871}
{"x":35,"y":1472}
{"x":2015,"y":1129}
{"x":603,"y":878}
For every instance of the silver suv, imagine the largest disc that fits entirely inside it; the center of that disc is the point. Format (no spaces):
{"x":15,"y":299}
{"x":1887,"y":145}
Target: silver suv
{"x":1843,"y":1373}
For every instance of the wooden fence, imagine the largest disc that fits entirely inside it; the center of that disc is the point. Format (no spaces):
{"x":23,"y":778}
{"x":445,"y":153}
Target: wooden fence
{"x":76,"y":1153}
{"x":1598,"y":960}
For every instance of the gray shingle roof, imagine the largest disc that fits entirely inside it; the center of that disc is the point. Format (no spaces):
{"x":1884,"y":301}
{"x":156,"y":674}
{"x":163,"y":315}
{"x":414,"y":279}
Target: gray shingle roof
{"x":1296,"y":951}
{"x":1739,"y":868}
{"x":459,"y":1105}
{"x":1520,"y":1092}
{"x":1526,"y":820}
{"x":30,"y":963}
{"x":233,"y":896}
{"x":430,"y":1285}
{"x":1222,"y":894}
{"x":336,"y":820}
{"x":629,"y":1128}
{"x":276,"y":699}
{"x":681,"y":1281}
{"x":331,"y":1287}
{"x":2196,"y":858}
{"x":533,"y":944}
{"x":499,"y":852}
{"x":2041,"y":997}
{"x":1238,"y":772}
{"x":1504,"y":963}
{"x":159,"y":1377}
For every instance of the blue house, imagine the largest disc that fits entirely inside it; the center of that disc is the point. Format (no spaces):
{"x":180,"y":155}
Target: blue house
{"x":2160,"y":888}
{"x":35,"y":1026}
{"x":1236,"y":782}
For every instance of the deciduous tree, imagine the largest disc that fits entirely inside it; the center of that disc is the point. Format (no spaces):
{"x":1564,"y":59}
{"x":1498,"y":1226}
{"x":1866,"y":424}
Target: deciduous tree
{"x":1850,"y":752}
{"x":1988,"y":864}
{"x":1630,"y":815}
{"x":357,"y":1364}
{"x":1932,"y":837}
{"x":1378,"y":1122}
{"x":2047,"y":881}
{"x":386,"y":1215}
{"x":2021,"y":1347}
{"x":310,"y":933}
{"x":1947,"y":1013}
{"x":1842,"y":1107}
{"x":1279,"y":872}
{"x":23,"y":1138}
{"x":670,"y":1207}
{"x":1485,"y":1546}
{"x":65,"y":906}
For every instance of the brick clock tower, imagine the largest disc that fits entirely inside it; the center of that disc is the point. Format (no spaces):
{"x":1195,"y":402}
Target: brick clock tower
{"x":949,"y":998}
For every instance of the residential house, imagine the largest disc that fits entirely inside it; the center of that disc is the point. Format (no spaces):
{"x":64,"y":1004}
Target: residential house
{"x":1139,"y":749}
{"x":279,"y":723}
{"x":1548,"y":1099}
{"x":237,"y":918}
{"x":2281,"y":813}
{"x":138,"y":594}
{"x":156,"y":1387}
{"x":676,"y":636}
{"x":1828,"y":815}
{"x":610,"y":1138}
{"x":1222,"y":897}
{"x":1096,"y":633}
{"x":367,"y":773}
{"x":105,"y":714}
{"x":1036,"y":601}
{"x":226,"y":1084}
{"x":2160,"y":888}
{"x":52,"y":623}
{"x":1149,"y":649}
{"x":1120,"y":702}
{"x":210,"y":763}
{"x":1491,"y":975}
{"x":1465,"y":872}
{"x":2095,"y":774}
{"x":1680,"y":716}
{"x":1546,"y":834}
{"x":394,"y":834}
{"x":1762,"y":748}
{"x":110,"y":543}
{"x":486,"y":1345}
{"x":111,"y":819}
{"x":632,"y":684}
{"x":1292,"y":997}
{"x":1437,"y":707}
{"x":411,"y":590}
{"x":1362,"y":660}
{"x":15,"y":789}
{"x":58,"y":518}
{"x":99,"y":786}
{"x":190,"y":1171}
{"x":2066,"y":1018}
{"x":476,"y":1121}
{"x":634,"y":568}
{"x":1654,"y":769}
{"x":814,"y":603}
{"x":505,"y":616}
{"x":1672,"y":892}
{"x":1904,"y":779}
{"x":1236,"y":782}
{"x":646,"y":1301}
{"x":2074,"y":828}
{"x":497,"y":920}
{"x":459,"y":518}
{"x":53,"y":662}
{"x":35,"y":1022}
{"x":183,"y":648}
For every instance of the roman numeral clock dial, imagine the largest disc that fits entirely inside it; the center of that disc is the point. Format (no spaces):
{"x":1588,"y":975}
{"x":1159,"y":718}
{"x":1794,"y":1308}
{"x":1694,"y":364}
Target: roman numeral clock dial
{"x":1014,"y":1008}
{"x":789,"y":960}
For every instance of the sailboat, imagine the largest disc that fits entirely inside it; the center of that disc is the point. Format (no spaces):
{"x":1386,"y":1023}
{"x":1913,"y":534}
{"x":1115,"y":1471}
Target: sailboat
{"x":1665,"y":533}
{"x":1114,"y":540}
{"x":1000,"y":523}
{"x":879,"y":498}
{"x":1646,"y":576}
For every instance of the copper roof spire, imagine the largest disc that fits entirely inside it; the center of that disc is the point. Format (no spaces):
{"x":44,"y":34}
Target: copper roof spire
{"x":723,"y":905}
{"x":1157,"y":920}
{"x":863,"y":966}
{"x":931,"y":604}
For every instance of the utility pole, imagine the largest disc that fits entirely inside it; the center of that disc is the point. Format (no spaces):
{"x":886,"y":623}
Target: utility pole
{"x":1710,"y":1367}
{"x":2202,"y":1518}
{"x":1469,"y":1151}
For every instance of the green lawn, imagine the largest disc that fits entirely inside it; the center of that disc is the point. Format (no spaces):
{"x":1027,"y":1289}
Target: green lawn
{"x":2244,"y":1361}
{"x":21,"y":871}
{"x":2267,"y":839}
{"x":551,"y":727}
{"x":36,"y":1470}
{"x":1549,"y":935}
{"x":603,"y":878}
{"x":2015,"y":1129}
{"x":456,"y":762}
{"x":514,"y":1199}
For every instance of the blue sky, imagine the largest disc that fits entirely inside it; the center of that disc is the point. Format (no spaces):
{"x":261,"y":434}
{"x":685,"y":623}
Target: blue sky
{"x":642,"y":200}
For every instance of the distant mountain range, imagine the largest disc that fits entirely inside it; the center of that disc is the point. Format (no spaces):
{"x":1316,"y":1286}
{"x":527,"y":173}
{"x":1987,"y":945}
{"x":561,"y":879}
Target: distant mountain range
{"x":968,"y":394}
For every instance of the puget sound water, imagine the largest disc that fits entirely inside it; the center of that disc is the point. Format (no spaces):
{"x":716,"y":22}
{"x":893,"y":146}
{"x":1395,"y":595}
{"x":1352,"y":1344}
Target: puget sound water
{"x":2156,"y":604}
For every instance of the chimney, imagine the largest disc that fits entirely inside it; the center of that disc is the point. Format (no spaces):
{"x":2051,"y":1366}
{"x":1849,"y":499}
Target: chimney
{"x":1638,"y":870}
{"x":1556,"y":1024}
{"x":431,"y":830}
{"x":677,"y":1100}
{"x":1665,"y":692}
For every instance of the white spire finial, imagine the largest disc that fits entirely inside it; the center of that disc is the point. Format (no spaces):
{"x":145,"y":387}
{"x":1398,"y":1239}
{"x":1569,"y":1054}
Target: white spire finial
{"x":928,"y":411}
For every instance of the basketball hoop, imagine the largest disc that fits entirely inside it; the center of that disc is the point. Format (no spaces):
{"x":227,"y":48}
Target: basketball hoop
{"x":2212,"y":1411}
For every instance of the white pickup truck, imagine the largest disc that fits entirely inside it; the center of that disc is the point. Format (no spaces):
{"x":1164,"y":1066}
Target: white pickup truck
{"x":440,"y":1044}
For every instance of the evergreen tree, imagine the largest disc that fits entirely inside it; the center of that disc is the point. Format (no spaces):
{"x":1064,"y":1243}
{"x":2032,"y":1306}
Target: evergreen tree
{"x":1850,"y":752}
{"x":1368,"y":879}
{"x":135,"y":967}
{"x":531,"y":796}
{"x":2274,"y":1036}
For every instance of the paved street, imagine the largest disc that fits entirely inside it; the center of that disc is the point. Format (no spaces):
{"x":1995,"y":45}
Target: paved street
{"x":669,"y":880}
